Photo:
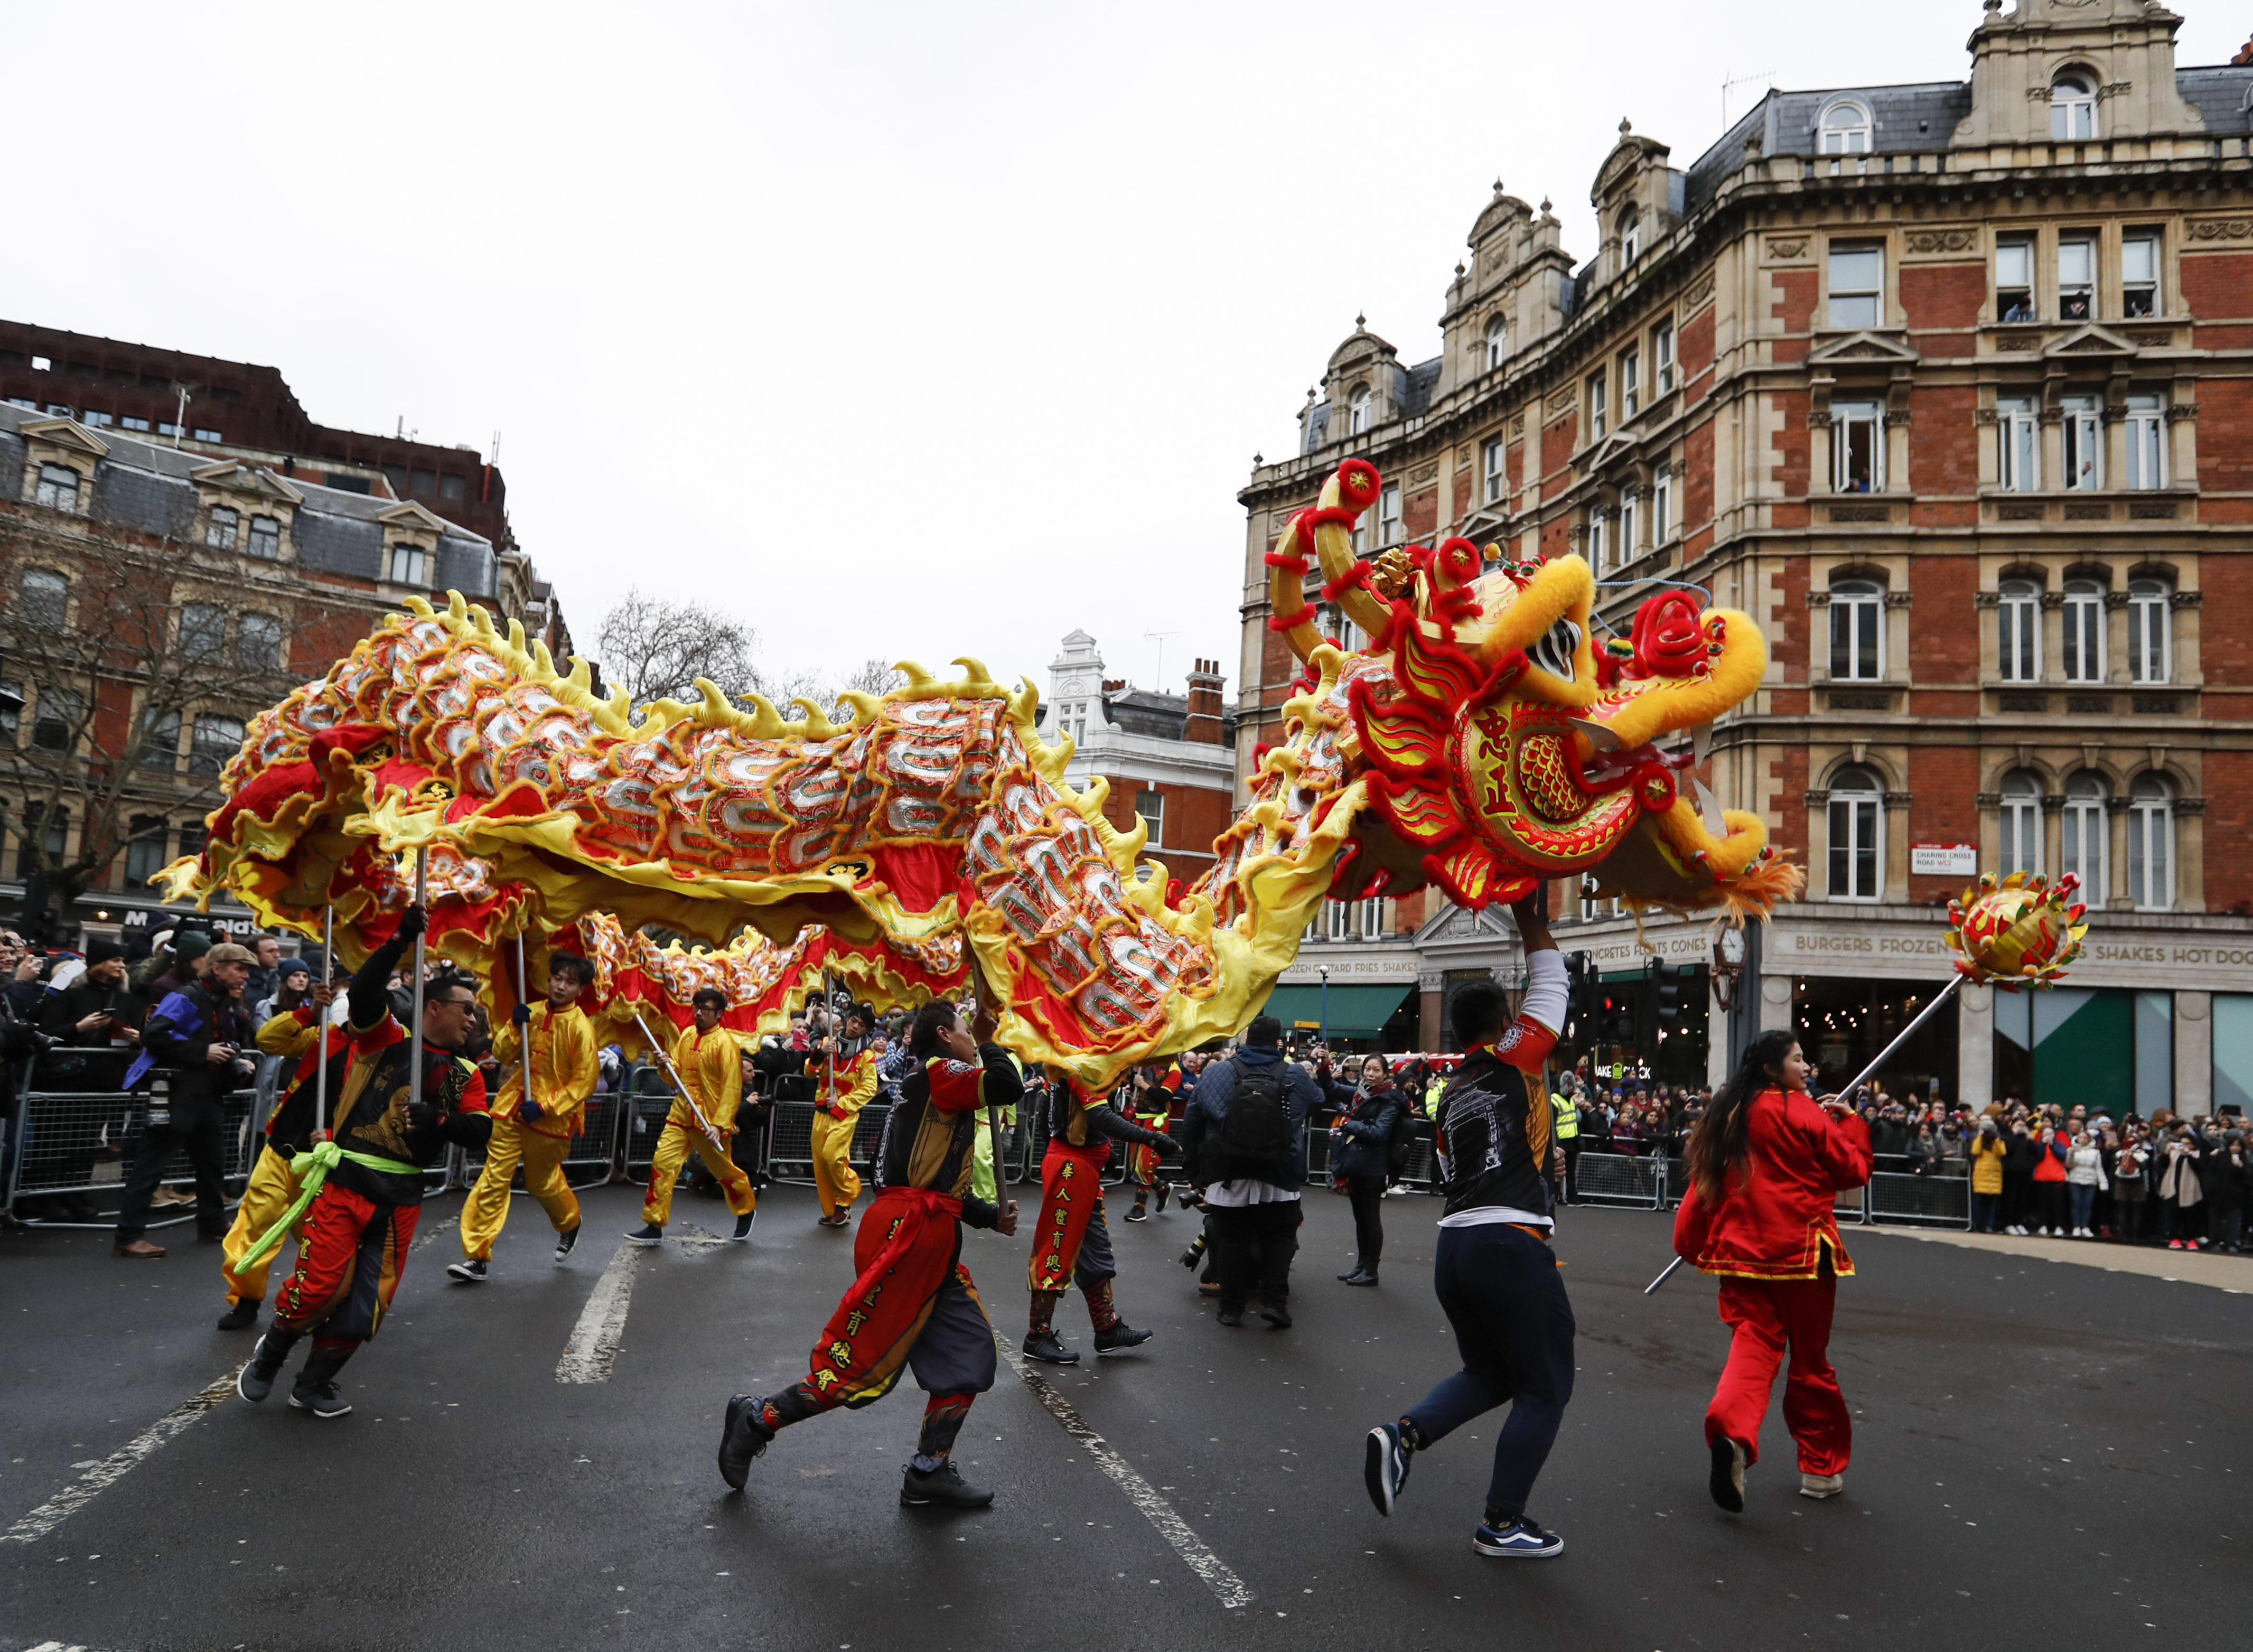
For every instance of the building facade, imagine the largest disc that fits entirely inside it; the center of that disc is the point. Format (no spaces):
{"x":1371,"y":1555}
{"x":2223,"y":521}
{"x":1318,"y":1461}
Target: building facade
{"x":1950,"y":386}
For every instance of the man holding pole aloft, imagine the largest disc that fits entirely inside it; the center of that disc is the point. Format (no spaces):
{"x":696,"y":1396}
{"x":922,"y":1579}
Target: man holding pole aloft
{"x":707,"y":1067}
{"x":549,"y":1051}
{"x":844,"y":1069}
{"x":296,"y":1036}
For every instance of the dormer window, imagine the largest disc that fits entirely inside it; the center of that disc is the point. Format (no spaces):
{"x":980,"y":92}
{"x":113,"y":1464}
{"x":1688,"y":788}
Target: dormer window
{"x":265,"y":538}
{"x":2072,"y":107}
{"x":1846,"y":129}
{"x":1497,"y":343}
{"x":1631,"y":235}
{"x":1357,"y":422}
{"x":219,"y":532}
{"x":58,"y":487}
{"x":410,"y":565}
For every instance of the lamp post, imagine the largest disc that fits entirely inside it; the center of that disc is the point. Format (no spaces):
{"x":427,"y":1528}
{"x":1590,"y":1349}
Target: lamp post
{"x":1325,"y":973}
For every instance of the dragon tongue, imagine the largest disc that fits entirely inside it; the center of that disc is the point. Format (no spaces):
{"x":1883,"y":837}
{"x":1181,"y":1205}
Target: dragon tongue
{"x":1710,"y":808}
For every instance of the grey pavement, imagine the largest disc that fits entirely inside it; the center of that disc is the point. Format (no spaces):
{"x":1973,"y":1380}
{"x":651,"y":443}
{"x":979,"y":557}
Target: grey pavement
{"x":2043,"y":1453}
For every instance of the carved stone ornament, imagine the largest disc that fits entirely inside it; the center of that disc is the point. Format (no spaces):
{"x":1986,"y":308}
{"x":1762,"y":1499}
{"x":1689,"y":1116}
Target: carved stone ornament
{"x":1941,"y":240}
{"x":1787,"y":246}
{"x":1564,"y":398}
{"x":2220,"y":229}
{"x":1699,"y":295}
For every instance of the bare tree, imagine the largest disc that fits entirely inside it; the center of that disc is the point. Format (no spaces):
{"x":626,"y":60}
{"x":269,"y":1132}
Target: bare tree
{"x":656,"y":649}
{"x":118,"y":647}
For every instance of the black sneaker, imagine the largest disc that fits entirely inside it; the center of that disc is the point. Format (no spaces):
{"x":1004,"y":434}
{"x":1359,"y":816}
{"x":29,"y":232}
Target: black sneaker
{"x":743,"y":1226}
{"x":255,"y":1381}
{"x":1046,"y":1347}
{"x":1277,"y":1315}
{"x":943,"y":1487}
{"x":1360,"y":1276}
{"x":1231,"y":1316}
{"x":647,"y":1233}
{"x":565,"y":1241}
{"x":469,"y":1270}
{"x":1138,"y":1214}
{"x":1165,"y":1192}
{"x":1727,"y":1481}
{"x":241,"y":1317}
{"x":1384,"y":1467}
{"x":743,"y":1437}
{"x":320,"y":1398}
{"x":1120,"y":1337}
{"x":1519,"y":1539}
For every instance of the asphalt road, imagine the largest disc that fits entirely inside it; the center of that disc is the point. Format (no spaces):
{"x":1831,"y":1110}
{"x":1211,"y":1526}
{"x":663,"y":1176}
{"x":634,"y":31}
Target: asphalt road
{"x":2047,"y":1455}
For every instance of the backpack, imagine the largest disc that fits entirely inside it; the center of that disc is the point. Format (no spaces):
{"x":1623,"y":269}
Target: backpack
{"x":1401,"y":1141}
{"x":1254,"y":1139}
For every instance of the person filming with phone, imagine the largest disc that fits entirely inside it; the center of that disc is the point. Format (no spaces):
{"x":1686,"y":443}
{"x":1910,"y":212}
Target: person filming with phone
{"x":98,"y":1009}
{"x":201,"y":1031}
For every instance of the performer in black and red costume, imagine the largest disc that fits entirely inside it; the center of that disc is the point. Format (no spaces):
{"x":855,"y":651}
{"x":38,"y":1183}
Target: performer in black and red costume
{"x":1071,"y":1245}
{"x":396,"y":1110}
{"x":911,"y":1304}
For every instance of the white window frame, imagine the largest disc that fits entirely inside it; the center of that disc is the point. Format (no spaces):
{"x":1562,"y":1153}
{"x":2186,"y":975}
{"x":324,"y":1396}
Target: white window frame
{"x":1843,"y":305}
{"x":1388,"y":516}
{"x":1357,"y":414}
{"x":2081,"y":648}
{"x":2018,"y":632}
{"x":2019,"y":824}
{"x":1599,"y":540}
{"x":2139,"y":288}
{"x":1661,"y":504}
{"x":2014,"y":278}
{"x":1497,"y":342}
{"x":1153,"y":816}
{"x":409,"y":564}
{"x":2072,"y":109}
{"x":1850,"y":135}
{"x":2151,"y":846}
{"x":1599,"y":395}
{"x":1662,"y":357}
{"x":1849,"y":418}
{"x":2076,"y":277}
{"x":59,"y":488}
{"x":2082,"y":439}
{"x":1497,"y":470}
{"x":1631,"y":372}
{"x":2151,"y":631}
{"x":2147,"y":442}
{"x":1630,"y":546}
{"x":1372,"y":919}
{"x":1857,"y":632}
{"x":1857,"y":821}
{"x":222,"y":528}
{"x":2084,"y":835}
{"x":1340,"y":923}
{"x":2018,"y":444}
{"x":1631,"y":235}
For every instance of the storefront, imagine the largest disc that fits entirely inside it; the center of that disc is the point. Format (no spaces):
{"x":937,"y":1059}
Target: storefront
{"x":1370,"y":1003}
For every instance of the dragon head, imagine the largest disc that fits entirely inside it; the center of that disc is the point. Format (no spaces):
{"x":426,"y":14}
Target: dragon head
{"x":1499,"y":745}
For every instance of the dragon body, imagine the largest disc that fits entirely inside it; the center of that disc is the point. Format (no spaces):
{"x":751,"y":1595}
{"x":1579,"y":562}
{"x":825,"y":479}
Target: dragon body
{"x":1478,"y":743}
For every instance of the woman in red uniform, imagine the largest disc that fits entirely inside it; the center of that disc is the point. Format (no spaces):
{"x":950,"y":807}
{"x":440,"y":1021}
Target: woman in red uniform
{"x":1766,"y":1164}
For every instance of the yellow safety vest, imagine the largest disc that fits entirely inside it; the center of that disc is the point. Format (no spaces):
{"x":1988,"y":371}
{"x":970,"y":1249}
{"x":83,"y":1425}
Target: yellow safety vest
{"x":1568,"y":1116}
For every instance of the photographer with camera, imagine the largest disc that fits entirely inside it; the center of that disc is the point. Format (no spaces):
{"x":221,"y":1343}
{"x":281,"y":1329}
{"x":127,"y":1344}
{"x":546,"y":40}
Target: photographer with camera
{"x":204,"y":1032}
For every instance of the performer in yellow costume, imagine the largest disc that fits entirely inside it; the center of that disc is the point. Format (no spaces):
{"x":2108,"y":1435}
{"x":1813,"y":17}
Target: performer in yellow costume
{"x":294,"y":1034}
{"x":535,"y":1130}
{"x":844,"y":1074}
{"x":710,"y":1060}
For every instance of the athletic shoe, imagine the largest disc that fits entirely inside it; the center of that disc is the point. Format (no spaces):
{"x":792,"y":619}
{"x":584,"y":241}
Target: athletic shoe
{"x":1385,"y":1465}
{"x":1277,"y":1315}
{"x":943,"y":1487}
{"x":241,"y":1317}
{"x":743,"y":1226}
{"x":565,"y":1241}
{"x":320,"y":1398}
{"x":743,"y":1437}
{"x":2174,"y":1244}
{"x":255,"y":1381}
{"x":1165,"y":1192}
{"x":1228,"y":1318}
{"x":1821,"y":1485}
{"x":472,"y":1270}
{"x":1520,"y":1540}
{"x":1727,"y":1481}
{"x":1119,"y":1338}
{"x":1138,"y":1214}
{"x":647,"y":1233}
{"x":1046,"y":1347}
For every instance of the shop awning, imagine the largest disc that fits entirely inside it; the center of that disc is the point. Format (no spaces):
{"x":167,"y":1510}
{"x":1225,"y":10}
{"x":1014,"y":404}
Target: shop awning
{"x":1355,"y":1012}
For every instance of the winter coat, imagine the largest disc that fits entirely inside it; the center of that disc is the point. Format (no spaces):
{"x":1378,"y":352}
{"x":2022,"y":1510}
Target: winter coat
{"x":2084,"y":1167}
{"x":1365,"y":1120}
{"x":2049,"y":1164}
{"x":1987,"y":1155}
{"x":1775,"y":1218}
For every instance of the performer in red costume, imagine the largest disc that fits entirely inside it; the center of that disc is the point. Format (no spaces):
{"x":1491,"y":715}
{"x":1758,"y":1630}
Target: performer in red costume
{"x":1071,"y":1244}
{"x":1766,"y":1164}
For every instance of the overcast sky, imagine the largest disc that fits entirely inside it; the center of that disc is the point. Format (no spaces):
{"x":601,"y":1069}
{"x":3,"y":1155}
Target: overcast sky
{"x":910,"y":330}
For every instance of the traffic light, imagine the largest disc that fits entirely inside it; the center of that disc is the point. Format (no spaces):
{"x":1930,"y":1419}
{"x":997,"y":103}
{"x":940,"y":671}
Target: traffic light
{"x":1615,"y":1025}
{"x":1581,"y":996}
{"x":1668,"y":977}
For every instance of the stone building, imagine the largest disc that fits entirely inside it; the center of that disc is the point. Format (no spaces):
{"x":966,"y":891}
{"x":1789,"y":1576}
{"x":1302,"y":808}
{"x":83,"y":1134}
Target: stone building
{"x":1949,"y":385}
{"x":152,"y":599}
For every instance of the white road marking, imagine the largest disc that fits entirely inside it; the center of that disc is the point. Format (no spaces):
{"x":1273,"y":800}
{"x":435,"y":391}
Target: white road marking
{"x":1208,"y":1566}
{"x":430,"y":1235}
{"x":120,"y":1462}
{"x":594,"y":1345}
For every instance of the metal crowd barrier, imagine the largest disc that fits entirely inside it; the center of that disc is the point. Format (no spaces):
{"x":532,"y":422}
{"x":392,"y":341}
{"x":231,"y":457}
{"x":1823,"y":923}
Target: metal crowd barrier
{"x":73,"y":1131}
{"x":1621,"y":1179}
{"x":588,"y":1163}
{"x":790,"y":1151}
{"x":1892,"y":1197}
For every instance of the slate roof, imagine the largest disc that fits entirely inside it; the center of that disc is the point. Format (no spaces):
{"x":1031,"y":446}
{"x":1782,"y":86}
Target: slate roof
{"x":2221,"y":94}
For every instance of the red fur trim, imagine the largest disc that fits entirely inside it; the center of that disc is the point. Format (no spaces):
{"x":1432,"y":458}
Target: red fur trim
{"x":1358,"y":479}
{"x":1285,"y":559}
{"x":1331,"y":516}
{"x":1259,"y":752}
{"x":1287,"y":622}
{"x":1343,"y":877}
{"x":1356,"y":577}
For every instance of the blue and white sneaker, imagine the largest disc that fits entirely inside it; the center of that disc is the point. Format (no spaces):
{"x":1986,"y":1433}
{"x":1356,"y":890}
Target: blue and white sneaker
{"x":1385,"y":1467}
{"x":1520,"y":1540}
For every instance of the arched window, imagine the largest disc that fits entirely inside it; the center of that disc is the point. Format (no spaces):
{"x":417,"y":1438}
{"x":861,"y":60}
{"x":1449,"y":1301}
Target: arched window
{"x":2152,"y":844}
{"x":2084,"y":631}
{"x":2082,"y":836}
{"x":1858,"y":631}
{"x":2072,"y":107}
{"x":2021,"y":822}
{"x":2151,"y":640}
{"x":1858,"y":817}
{"x":1357,"y":410}
{"x":219,"y":530}
{"x":1631,"y":235}
{"x":58,"y":487}
{"x":1846,"y":129}
{"x":1497,"y":343}
{"x":2017,"y":639}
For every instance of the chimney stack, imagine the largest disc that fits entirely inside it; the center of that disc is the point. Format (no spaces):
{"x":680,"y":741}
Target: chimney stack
{"x":1206,"y":724}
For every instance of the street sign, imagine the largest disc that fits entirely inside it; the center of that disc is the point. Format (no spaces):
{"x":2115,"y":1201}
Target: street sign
{"x":1943,"y":860}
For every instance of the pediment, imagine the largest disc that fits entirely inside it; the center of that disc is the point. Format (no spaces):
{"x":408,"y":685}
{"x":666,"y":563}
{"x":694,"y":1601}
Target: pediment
{"x":407,"y":514}
{"x":1360,"y":345}
{"x":1461,"y":924}
{"x":1618,"y":445}
{"x":1866,"y":346}
{"x":2090,"y":341}
{"x":237,"y":477}
{"x":65,"y":433}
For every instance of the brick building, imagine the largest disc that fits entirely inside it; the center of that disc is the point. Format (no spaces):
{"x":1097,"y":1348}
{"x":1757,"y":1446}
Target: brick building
{"x":157,"y":596}
{"x":1951,"y":386}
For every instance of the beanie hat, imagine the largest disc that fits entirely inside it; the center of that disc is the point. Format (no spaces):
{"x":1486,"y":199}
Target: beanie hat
{"x":190,"y":944}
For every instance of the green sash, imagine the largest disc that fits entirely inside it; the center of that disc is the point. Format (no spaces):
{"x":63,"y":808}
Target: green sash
{"x":314,"y":1167}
